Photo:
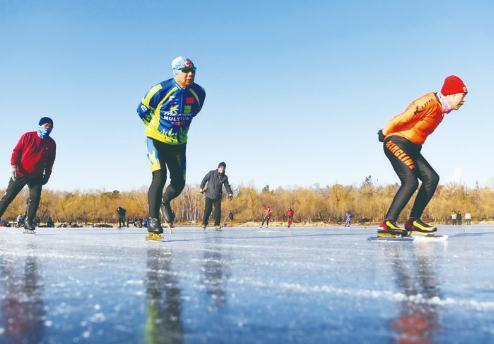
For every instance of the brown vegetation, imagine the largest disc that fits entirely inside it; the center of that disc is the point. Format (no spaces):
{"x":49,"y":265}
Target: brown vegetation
{"x":328,"y":204}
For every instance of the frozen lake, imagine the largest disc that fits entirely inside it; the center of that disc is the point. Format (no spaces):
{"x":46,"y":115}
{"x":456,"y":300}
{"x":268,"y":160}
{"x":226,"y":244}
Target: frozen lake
{"x":306,"y":285}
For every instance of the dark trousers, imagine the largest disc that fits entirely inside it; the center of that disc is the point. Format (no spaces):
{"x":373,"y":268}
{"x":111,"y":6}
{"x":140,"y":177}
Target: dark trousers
{"x":266,"y":220}
{"x":171,"y":157}
{"x":121,"y":221}
{"x":13,"y":189}
{"x":208,"y":208}
{"x":410,"y":166}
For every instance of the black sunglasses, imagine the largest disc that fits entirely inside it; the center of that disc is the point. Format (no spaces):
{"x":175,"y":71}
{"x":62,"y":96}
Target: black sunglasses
{"x":188,"y":70}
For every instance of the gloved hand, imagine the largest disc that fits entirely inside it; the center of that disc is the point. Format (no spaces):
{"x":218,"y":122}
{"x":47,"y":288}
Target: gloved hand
{"x":45,"y":179}
{"x":381,"y":136}
{"x":14,"y":173}
{"x":230,"y":197}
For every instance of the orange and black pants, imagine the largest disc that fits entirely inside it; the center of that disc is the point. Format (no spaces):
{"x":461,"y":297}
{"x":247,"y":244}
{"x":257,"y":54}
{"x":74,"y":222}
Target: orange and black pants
{"x":410,"y":166}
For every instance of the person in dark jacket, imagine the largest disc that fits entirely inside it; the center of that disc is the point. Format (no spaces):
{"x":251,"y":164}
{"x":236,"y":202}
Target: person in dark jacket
{"x":121,"y":217}
{"x":212,"y":187}
{"x":32,"y":161}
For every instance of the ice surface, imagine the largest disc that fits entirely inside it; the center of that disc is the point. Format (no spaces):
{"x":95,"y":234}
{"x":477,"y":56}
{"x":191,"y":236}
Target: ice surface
{"x":305,"y":285}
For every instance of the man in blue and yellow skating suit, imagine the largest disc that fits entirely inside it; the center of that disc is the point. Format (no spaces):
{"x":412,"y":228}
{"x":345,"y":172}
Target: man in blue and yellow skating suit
{"x":167,"y":111}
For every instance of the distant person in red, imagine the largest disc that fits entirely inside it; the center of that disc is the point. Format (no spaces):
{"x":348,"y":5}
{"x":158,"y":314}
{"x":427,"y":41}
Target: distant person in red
{"x":289,"y":214}
{"x":32,"y":161}
{"x":267,"y":216}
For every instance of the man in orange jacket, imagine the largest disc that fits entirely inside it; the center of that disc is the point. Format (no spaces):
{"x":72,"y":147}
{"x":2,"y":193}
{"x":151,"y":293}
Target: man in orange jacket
{"x":267,"y":216}
{"x":403,"y":138}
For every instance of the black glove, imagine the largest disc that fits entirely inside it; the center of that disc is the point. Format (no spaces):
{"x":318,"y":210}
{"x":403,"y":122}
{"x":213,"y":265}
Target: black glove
{"x":45,"y":179}
{"x":381,"y":136}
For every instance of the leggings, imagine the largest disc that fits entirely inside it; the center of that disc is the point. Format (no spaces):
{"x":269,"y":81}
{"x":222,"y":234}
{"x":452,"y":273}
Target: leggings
{"x":266,"y":220}
{"x":410,"y":166}
{"x":161,"y":157}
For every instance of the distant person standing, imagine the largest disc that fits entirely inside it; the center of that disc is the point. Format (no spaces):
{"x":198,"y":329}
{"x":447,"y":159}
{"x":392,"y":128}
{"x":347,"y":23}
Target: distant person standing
{"x":50,"y":223}
{"x":212,"y":186}
{"x":32,"y":162}
{"x":453,"y":218}
{"x":459,"y":219}
{"x":289,"y":214}
{"x":266,"y":216}
{"x":121,"y":212}
{"x":167,"y":111}
{"x":348,"y":218}
{"x":20,"y":221}
{"x":468,"y":219}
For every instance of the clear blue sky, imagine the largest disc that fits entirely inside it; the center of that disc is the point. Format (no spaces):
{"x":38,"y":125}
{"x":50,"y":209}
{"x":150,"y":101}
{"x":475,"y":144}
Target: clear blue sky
{"x":296,"y":90}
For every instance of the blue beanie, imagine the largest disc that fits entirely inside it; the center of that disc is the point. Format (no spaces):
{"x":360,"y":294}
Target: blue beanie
{"x":45,"y":120}
{"x":222,"y":164}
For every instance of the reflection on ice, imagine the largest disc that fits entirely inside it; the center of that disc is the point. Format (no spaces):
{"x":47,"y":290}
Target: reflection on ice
{"x":304,"y":285}
{"x":163,"y":323}
{"x":22,"y":299}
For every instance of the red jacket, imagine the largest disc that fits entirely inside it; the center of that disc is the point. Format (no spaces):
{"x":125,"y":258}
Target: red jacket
{"x":34,"y":156}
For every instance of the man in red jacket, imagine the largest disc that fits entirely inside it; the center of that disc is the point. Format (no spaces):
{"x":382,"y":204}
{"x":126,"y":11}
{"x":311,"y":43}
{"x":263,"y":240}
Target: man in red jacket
{"x":32,"y":161}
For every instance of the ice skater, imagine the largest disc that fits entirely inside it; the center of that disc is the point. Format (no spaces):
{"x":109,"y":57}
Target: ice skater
{"x":212,"y":186}
{"x":167,"y":111}
{"x":31,"y":162}
{"x":266,"y":216}
{"x":289,"y":214}
{"x":348,"y":219}
{"x":402,"y":139}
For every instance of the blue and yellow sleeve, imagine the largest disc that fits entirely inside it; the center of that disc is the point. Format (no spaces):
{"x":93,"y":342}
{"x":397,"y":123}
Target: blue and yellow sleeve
{"x":148,"y":103}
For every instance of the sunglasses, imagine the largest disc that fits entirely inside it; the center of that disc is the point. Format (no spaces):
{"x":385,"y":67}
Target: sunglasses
{"x":188,"y":70}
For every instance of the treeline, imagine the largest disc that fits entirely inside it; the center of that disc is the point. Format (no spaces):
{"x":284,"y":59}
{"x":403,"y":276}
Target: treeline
{"x":368,"y":203}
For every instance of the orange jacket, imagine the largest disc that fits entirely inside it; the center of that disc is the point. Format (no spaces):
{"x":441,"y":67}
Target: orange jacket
{"x":418,"y":121}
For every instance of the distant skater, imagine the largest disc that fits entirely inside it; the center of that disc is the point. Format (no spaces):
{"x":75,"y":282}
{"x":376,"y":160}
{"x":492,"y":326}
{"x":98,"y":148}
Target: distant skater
{"x":32,"y":162}
{"x":121,"y":217}
{"x":348,"y":219}
{"x":167,"y":111}
{"x":266,"y":216}
{"x":212,"y":186}
{"x":289,"y":214}
{"x":402,"y":139}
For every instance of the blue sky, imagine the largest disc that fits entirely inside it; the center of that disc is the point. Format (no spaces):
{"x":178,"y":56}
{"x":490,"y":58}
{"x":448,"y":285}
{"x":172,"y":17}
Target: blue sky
{"x":296,"y":90}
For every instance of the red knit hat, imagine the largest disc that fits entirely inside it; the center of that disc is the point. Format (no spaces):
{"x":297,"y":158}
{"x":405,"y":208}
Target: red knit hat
{"x":452,"y":85}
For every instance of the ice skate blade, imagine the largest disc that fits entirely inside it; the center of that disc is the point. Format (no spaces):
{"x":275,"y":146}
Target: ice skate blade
{"x":429,"y":237}
{"x":390,"y":238}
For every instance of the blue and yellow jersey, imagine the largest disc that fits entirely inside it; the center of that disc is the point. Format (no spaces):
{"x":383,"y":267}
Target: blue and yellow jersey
{"x":168,"y":109}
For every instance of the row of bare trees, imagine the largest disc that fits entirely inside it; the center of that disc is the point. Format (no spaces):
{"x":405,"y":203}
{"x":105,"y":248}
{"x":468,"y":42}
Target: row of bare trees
{"x":328,"y":204}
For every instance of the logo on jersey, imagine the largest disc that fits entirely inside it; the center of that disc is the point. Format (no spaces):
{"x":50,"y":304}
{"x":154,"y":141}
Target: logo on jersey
{"x":189,"y":100}
{"x":187,"y":109}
